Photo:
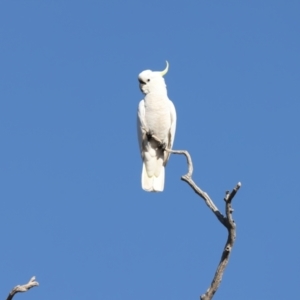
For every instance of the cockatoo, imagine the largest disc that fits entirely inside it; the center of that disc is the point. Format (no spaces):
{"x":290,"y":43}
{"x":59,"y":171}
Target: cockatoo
{"x":156,"y":117}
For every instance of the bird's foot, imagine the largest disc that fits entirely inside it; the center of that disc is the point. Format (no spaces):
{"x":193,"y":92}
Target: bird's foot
{"x":149,"y":134}
{"x":162,"y":146}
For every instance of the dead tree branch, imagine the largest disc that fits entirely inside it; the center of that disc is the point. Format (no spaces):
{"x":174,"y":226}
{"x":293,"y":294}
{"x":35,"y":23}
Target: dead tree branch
{"x":23,"y":288}
{"x":226,"y":220}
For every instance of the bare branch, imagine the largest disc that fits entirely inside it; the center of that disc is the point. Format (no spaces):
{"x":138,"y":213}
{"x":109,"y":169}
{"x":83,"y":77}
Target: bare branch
{"x":23,"y":288}
{"x":226,"y":220}
{"x":231,"y":228}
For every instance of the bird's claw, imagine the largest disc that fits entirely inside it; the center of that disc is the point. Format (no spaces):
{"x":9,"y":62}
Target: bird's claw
{"x":162,"y":146}
{"x":149,"y":135}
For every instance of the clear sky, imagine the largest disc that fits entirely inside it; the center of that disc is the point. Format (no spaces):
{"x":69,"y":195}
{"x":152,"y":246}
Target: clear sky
{"x":72,"y":209}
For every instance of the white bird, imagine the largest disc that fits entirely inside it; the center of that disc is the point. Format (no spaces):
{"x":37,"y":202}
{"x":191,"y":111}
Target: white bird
{"x":156,"y":117}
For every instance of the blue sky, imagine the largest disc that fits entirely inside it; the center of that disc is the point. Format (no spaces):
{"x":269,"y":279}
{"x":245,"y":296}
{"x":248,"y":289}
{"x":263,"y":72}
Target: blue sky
{"x":72,"y":209}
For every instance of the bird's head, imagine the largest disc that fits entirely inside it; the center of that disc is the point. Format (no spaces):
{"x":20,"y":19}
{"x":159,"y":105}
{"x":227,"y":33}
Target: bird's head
{"x":153,"y":81}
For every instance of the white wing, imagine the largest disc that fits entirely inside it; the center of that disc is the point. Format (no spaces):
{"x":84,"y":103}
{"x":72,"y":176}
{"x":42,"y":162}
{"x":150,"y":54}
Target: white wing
{"x":141,"y":127}
{"x":173,"y":124}
{"x":172,"y":130}
{"x":153,"y":173}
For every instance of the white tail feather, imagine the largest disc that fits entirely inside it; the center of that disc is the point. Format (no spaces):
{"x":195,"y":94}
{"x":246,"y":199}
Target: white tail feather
{"x":153,"y":183}
{"x":159,"y":182}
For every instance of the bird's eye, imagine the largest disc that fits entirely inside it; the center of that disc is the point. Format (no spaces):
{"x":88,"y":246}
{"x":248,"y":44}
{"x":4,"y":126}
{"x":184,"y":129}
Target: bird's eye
{"x":141,"y":81}
{"x":148,"y":80}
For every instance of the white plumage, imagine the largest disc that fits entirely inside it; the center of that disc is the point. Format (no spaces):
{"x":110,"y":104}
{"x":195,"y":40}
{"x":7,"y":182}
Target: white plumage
{"x":156,"y":116}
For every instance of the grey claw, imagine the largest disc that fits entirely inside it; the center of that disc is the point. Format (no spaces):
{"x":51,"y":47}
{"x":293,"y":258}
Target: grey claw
{"x":162,"y":146}
{"x":149,"y":134}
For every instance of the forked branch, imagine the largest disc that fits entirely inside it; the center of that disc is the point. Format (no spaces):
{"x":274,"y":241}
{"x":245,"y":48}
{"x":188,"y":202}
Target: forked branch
{"x":226,"y":220}
{"x":23,"y":288}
